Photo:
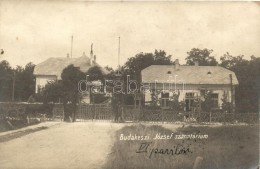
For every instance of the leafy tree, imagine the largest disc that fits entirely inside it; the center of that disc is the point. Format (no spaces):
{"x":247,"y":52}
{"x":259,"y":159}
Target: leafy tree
{"x":207,"y":102}
{"x":160,"y":58}
{"x":65,"y":91}
{"x":6,"y":81}
{"x":203,"y":56}
{"x":174,"y":102}
{"x":19,"y":83}
{"x":247,"y":72}
{"x":140,"y":61}
{"x":136,"y":64}
{"x":23,"y":78}
{"x":25,"y":83}
{"x":230,"y":62}
{"x":95,"y":73}
{"x":53,"y":92}
{"x":30,"y":79}
{"x":111,"y":73}
{"x":108,"y":68}
{"x":70,"y":78}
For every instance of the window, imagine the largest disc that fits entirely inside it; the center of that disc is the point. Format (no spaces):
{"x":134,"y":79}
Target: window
{"x":39,"y":88}
{"x":214,"y":99}
{"x":189,"y":101}
{"x":137,"y":100}
{"x":164,"y":100}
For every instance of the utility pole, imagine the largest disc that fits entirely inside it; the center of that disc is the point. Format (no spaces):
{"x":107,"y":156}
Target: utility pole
{"x":13,"y":87}
{"x":231,"y":90}
{"x":118,"y":52}
{"x":118,"y":59}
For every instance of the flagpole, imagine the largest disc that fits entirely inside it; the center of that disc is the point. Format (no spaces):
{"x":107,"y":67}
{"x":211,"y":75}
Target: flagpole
{"x":119,"y":52}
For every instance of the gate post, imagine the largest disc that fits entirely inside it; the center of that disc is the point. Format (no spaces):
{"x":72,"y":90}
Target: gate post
{"x":210,"y":117}
{"x":122,"y":110}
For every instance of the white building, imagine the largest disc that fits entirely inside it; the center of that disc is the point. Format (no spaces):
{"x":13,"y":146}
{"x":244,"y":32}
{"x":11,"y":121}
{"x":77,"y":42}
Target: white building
{"x":190,"y":82}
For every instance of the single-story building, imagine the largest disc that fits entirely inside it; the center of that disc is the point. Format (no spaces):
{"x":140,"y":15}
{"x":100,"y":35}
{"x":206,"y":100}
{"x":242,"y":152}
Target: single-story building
{"x":190,"y":82}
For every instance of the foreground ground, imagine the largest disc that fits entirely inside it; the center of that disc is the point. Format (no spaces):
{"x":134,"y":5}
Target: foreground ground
{"x":97,"y":145}
{"x":64,"y":145}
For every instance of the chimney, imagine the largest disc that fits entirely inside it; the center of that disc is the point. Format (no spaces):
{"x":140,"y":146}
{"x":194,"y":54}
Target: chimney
{"x":68,"y":55}
{"x":177,"y":64}
{"x":196,"y":63}
{"x":95,"y":58}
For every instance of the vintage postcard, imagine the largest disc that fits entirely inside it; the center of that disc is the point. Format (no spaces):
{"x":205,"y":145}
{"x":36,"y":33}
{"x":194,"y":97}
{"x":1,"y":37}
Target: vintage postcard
{"x":129,"y":85}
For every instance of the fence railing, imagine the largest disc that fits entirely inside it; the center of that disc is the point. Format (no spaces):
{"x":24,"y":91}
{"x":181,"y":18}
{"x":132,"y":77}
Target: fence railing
{"x":150,"y":115}
{"x":18,"y":111}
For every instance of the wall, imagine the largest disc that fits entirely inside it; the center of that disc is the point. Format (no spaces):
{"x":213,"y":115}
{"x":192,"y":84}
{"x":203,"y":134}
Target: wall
{"x":186,"y":88}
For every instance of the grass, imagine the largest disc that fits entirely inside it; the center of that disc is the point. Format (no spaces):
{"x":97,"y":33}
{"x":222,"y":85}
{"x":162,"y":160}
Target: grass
{"x":227,"y":147}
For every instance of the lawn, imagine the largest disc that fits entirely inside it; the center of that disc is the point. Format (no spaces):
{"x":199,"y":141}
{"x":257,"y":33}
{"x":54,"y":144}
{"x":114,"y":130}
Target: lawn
{"x":226,"y":147}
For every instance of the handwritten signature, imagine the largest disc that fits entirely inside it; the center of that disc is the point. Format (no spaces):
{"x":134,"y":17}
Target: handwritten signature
{"x":178,"y":149}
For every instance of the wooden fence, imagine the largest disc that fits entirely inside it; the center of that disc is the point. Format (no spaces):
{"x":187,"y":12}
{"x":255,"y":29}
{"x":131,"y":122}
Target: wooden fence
{"x":94,"y":112}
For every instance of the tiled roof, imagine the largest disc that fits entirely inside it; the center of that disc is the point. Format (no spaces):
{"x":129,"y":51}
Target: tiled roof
{"x":55,"y":66}
{"x":188,"y":74}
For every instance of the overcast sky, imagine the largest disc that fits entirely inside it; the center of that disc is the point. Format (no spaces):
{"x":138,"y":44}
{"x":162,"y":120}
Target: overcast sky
{"x":34,"y":31}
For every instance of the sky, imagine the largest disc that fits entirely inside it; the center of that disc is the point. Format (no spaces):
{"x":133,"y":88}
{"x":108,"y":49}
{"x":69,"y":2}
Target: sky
{"x":33,"y":31}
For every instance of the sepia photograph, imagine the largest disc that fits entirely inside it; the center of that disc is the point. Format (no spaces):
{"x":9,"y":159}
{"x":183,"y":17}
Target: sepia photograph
{"x":129,"y":84}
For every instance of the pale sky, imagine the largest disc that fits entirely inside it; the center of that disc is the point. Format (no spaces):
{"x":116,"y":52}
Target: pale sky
{"x":34,"y":31}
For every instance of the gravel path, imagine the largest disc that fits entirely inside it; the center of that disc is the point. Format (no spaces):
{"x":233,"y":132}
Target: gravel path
{"x":62,"y":146}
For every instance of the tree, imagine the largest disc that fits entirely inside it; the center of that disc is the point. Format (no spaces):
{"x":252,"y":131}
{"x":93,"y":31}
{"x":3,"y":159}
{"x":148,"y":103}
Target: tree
{"x":174,"y":102}
{"x":22,"y":78}
{"x":6,"y":81}
{"x":30,"y":80}
{"x":53,"y":92}
{"x":203,"y":56}
{"x":247,"y":72}
{"x":207,"y":102}
{"x":25,"y":84}
{"x":160,"y":58}
{"x":230,"y":62}
{"x":70,"y":78}
{"x":65,"y":91}
{"x":136,"y":64}
{"x":111,"y":73}
{"x":95,"y":73}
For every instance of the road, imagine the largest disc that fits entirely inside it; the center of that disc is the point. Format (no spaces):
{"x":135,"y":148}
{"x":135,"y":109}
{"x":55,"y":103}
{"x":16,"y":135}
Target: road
{"x":63,"y":146}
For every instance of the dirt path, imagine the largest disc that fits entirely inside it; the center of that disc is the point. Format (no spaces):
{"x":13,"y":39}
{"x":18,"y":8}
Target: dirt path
{"x":67,"y":145}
